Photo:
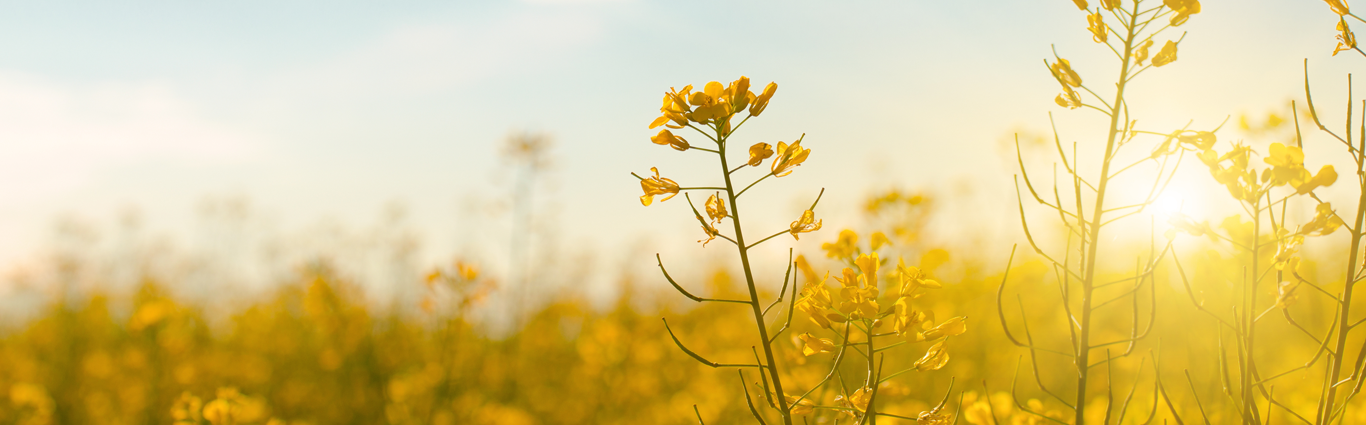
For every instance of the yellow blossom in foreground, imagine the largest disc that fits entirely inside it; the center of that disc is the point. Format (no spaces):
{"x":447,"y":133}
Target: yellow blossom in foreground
{"x":1166,"y":55}
{"x":1081,"y":4}
{"x":934,"y":359}
{"x":806,"y":224}
{"x":1109,"y":4}
{"x":789,"y":157}
{"x":759,"y":152}
{"x":657,"y":186}
{"x":1096,"y":24}
{"x":1183,"y":10}
{"x":667,"y":138}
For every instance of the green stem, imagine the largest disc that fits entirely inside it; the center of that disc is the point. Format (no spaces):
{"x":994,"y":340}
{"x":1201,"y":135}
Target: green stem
{"x":753,"y":290}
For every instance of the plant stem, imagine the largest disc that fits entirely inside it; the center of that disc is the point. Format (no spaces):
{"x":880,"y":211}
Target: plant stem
{"x":1088,"y":282}
{"x":753,"y":290}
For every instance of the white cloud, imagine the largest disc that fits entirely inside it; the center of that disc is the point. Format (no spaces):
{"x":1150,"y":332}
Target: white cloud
{"x":54,"y":137}
{"x":422,"y":57}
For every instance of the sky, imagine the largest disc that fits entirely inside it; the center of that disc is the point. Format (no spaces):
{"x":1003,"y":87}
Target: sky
{"x":322,"y":112}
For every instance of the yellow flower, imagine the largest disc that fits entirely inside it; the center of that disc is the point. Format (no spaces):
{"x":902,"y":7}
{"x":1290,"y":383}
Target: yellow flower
{"x":1287,"y":164}
{"x":1081,"y":4}
{"x":657,"y":186}
{"x":860,"y":298}
{"x":813,"y":345}
{"x":761,"y":102}
{"x":878,"y":240}
{"x":666,"y":137}
{"x":1142,"y":53}
{"x":858,"y":400}
{"x":789,"y":157}
{"x":934,"y":359}
{"x":806,"y":224}
{"x":709,"y":231}
{"x":1325,"y":177}
{"x":843,"y":247}
{"x":738,"y":94}
{"x":1346,"y":40}
{"x":1062,"y":70}
{"x":716,"y":208}
{"x":912,"y":279}
{"x":1324,"y":222}
{"x":1339,"y":6}
{"x":1166,"y":55}
{"x":759,"y":152}
{"x":1109,"y":4}
{"x":675,"y":104}
{"x":1068,"y":99}
{"x":933,"y":417}
{"x":868,"y":265}
{"x":952,"y":327}
{"x":1183,"y":8}
{"x":1096,"y":24}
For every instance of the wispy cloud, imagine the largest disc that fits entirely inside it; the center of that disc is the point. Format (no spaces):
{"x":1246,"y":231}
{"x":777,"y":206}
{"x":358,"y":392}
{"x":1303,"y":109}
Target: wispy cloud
{"x":58,"y":136}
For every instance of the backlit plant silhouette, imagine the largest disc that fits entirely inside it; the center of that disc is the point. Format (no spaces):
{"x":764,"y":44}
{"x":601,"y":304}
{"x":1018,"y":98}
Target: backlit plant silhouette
{"x":1096,"y":202}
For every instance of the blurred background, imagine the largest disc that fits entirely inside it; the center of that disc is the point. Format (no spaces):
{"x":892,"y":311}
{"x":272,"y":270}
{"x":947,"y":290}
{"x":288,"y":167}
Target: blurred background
{"x":216,"y":195}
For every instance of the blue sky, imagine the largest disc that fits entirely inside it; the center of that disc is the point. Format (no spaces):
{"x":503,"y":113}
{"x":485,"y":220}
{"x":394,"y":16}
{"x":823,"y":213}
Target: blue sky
{"x":319,"y":111}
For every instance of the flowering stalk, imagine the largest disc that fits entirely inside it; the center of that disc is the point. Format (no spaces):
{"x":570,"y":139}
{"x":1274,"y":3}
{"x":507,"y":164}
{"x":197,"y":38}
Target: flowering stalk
{"x":711,"y":112}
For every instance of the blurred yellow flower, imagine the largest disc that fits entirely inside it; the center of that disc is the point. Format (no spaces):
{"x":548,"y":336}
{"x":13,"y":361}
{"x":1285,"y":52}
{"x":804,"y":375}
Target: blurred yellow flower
{"x":789,"y":157}
{"x":667,"y":138}
{"x":1141,"y":54}
{"x":1325,"y":177}
{"x":657,"y":186}
{"x":843,"y":247}
{"x":1081,"y":4}
{"x":1109,"y":4}
{"x":1166,"y":55}
{"x":759,"y":152}
{"x":1096,"y":24}
{"x":1183,"y":9}
{"x":1062,"y":71}
{"x":878,"y":240}
{"x":1068,"y":99}
{"x":806,"y":224}
{"x":1324,"y":222}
